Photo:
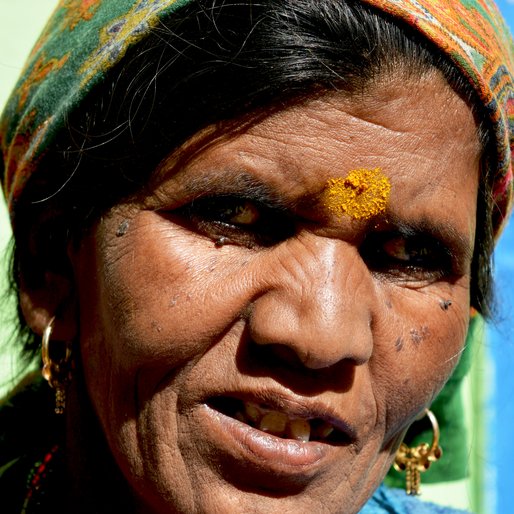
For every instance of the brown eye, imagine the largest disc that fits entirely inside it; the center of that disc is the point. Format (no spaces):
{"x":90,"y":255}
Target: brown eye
{"x":404,"y":250}
{"x":229,"y":210}
{"x":245,"y":213}
{"x":396,"y":248}
{"x":238,"y":220}
{"x":417,"y":256}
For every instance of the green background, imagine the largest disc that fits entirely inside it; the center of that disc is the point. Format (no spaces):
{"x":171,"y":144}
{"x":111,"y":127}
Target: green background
{"x":20,"y":23}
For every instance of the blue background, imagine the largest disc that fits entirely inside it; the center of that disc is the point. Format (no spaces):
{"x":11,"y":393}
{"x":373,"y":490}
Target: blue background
{"x":499,"y":457}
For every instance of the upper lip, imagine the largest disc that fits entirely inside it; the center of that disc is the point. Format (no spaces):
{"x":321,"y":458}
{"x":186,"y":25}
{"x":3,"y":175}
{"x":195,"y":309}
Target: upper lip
{"x":295,"y":407}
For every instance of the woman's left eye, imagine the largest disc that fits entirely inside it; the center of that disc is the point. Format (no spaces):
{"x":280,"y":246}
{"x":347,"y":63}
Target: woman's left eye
{"x":409,"y":252}
{"x":238,"y":220}
{"x":417,"y":257}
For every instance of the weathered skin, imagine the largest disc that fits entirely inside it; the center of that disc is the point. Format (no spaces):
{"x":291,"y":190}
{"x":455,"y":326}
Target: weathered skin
{"x":168,"y":319}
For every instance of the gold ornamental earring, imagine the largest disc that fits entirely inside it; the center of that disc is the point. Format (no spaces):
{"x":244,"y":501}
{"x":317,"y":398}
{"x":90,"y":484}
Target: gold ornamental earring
{"x":56,"y":356}
{"x":418,"y":459}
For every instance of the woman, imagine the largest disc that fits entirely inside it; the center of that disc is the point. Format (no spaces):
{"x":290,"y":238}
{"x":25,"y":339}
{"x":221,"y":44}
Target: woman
{"x":249,"y":236}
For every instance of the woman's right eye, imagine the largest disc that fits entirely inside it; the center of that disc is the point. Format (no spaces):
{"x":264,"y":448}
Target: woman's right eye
{"x":239,"y":220}
{"x":233,"y":212}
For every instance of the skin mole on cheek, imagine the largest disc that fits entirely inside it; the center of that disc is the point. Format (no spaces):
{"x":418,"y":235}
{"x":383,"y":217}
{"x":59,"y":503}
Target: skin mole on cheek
{"x":363,"y":193}
{"x":445,"y":304}
{"x":399,"y":344}
{"x":417,"y":336}
{"x":122,"y":228}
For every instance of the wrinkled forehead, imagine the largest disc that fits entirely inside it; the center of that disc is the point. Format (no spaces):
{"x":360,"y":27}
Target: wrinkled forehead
{"x":405,"y":151}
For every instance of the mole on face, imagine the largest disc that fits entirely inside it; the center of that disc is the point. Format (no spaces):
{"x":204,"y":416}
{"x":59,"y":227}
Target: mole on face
{"x":363,"y":193}
{"x":445,"y":304}
{"x":417,"y":336}
{"x":122,"y":228}
{"x":399,"y":344}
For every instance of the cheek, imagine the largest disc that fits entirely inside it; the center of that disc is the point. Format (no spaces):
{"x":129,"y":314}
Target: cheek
{"x":159,"y":302}
{"x":419,"y":345}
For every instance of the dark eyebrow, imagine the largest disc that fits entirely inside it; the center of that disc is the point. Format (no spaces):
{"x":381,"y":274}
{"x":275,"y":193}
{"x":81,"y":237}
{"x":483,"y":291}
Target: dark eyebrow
{"x":240,"y":183}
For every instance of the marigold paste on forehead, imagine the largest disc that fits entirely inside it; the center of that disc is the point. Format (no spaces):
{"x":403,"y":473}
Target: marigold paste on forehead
{"x":363,"y":193}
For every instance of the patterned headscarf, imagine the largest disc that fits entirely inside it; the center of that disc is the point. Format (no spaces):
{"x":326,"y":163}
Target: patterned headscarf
{"x":85,"y":38}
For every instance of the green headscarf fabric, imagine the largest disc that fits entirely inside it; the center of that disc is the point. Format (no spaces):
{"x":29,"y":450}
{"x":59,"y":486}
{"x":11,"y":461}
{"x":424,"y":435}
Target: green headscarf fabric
{"x":84,"y":39}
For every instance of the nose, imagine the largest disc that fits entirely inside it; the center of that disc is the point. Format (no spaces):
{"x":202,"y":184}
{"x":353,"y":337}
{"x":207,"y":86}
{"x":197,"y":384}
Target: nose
{"x":318,"y":304}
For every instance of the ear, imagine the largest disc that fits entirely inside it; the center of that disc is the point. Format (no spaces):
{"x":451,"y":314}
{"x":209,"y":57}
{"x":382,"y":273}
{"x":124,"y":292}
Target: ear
{"x":56,"y":297}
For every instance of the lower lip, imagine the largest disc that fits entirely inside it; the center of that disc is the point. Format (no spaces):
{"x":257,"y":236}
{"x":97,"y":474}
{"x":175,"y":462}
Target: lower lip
{"x":284,"y":455}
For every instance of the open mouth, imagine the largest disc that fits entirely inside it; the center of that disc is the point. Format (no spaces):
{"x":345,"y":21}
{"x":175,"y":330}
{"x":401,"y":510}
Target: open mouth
{"x":278,"y":423}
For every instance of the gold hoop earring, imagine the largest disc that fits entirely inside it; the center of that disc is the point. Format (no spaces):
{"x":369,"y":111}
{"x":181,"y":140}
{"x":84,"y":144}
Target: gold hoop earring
{"x":56,"y":371}
{"x":418,"y":459}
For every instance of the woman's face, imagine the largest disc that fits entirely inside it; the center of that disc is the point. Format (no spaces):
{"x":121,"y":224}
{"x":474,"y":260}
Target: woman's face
{"x":233,"y":303}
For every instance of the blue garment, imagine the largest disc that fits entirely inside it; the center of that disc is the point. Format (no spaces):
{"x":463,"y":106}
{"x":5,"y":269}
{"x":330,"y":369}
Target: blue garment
{"x":395,"y":501}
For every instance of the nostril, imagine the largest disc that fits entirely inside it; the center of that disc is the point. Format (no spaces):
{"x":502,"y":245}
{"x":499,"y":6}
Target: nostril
{"x":278,"y":355}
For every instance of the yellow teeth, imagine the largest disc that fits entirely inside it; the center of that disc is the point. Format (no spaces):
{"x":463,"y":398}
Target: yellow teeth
{"x":280,"y":425}
{"x":273,"y":422}
{"x":253,"y":412}
{"x":299,"y":429}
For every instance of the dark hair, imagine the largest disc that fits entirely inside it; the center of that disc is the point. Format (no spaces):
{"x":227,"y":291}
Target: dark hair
{"x":215,"y":61}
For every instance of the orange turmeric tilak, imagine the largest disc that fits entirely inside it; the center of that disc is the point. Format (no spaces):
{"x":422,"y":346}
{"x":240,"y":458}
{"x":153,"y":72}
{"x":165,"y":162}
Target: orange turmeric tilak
{"x":363,"y":193}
